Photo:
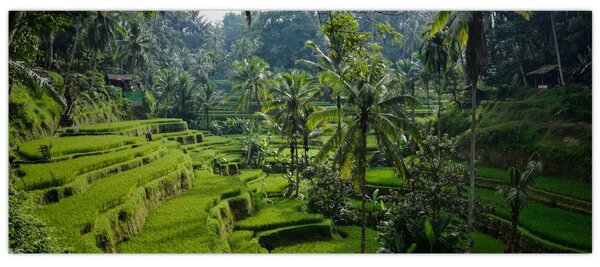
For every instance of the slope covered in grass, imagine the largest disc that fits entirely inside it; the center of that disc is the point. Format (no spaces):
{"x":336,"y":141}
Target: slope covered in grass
{"x":550,"y":223}
{"x":179,"y":225}
{"x":74,"y":144}
{"x":566,"y":187}
{"x":348,"y":242}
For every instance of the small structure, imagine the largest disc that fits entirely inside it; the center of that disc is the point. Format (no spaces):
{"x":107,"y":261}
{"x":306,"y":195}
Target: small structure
{"x":546,"y":76}
{"x":131,"y":90}
{"x":125,"y":81}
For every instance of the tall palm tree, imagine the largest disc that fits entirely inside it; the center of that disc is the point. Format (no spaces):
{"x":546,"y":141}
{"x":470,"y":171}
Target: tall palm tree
{"x":165,"y":84}
{"x":366,"y":109}
{"x":251,"y":77}
{"x":136,"y":48}
{"x":467,"y":28}
{"x":436,"y":57}
{"x":294,"y":93}
{"x":210,"y":97}
{"x":515,"y":194}
{"x":186,"y":95}
{"x":101,"y":32}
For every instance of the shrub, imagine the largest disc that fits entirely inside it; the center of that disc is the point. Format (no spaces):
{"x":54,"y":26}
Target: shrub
{"x":328,"y":195}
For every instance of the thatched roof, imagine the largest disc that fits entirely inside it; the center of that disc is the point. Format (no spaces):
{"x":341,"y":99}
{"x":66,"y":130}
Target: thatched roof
{"x":119,"y":77}
{"x":543,"y":69}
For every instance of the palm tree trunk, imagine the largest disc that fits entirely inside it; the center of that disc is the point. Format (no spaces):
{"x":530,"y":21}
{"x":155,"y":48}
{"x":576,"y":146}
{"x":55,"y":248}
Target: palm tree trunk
{"x":363,"y":177}
{"x":297,"y":172}
{"x":439,"y":113}
{"x":94,"y":69}
{"x":427,"y":95}
{"x":206,"y":119}
{"x":562,"y":80}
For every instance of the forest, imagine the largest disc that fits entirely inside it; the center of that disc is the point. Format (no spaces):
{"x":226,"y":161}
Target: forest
{"x":300,"y":132}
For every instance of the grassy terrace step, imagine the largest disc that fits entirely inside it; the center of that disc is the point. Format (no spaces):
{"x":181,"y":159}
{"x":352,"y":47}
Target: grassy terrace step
{"x":273,"y":184}
{"x":82,"y":183}
{"x":383,"y":176}
{"x":44,"y":175}
{"x":571,"y":188}
{"x":282,"y":213}
{"x":209,"y":141}
{"x":347,"y":242}
{"x":133,"y":126}
{"x":77,"y":215}
{"x":74,"y":144}
{"x":483,"y":243}
{"x":179,"y":225}
{"x":554,"y":224}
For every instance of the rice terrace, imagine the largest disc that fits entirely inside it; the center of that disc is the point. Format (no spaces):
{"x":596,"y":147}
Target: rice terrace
{"x":300,"y":132}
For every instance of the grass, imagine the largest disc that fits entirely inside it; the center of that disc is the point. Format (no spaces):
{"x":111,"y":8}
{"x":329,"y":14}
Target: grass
{"x":250,"y":174}
{"x":45,"y":175}
{"x":554,"y":224}
{"x":179,"y":225}
{"x":244,"y":242}
{"x":566,"y":187}
{"x":282,"y":213}
{"x":349,"y":244}
{"x":124,"y":125}
{"x":483,"y":243}
{"x":77,"y":215}
{"x":273,"y":184}
{"x":383,"y":176}
{"x":74,"y":144}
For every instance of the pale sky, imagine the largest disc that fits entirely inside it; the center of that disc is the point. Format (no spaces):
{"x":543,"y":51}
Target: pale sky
{"x":215,"y":16}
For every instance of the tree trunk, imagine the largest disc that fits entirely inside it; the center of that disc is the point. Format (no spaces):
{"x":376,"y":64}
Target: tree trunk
{"x":523,"y":74}
{"x":439,"y":113}
{"x":14,"y":17}
{"x":560,"y":72}
{"x":94,"y":69}
{"x":363,"y":177}
{"x":49,"y":53}
{"x":476,"y":53}
{"x":73,"y":50}
{"x":427,"y":94}
{"x":206,"y":119}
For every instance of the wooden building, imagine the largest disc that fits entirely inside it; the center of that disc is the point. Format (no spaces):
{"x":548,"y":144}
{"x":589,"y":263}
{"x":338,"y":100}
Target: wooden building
{"x":546,"y":76}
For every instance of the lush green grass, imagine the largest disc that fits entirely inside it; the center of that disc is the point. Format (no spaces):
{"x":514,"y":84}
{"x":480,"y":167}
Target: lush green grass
{"x":179,"y":225}
{"x":242,"y":241}
{"x":44,"y":175}
{"x":74,"y":144}
{"x":250,"y":174}
{"x":273,"y":184}
{"x":349,"y":244}
{"x":123,"y":125}
{"x":383,"y":176}
{"x":281,"y":213}
{"x":554,"y":224}
{"x":566,"y":187}
{"x":78,"y":214}
{"x":483,"y":243}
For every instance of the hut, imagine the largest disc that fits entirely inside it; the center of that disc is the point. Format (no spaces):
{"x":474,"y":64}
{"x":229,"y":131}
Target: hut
{"x":124,"y":81}
{"x":546,"y":76}
{"x":130,"y":89}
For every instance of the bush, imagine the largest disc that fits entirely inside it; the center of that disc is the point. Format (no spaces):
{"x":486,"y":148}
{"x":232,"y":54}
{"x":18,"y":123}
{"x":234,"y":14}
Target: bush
{"x":26,"y":232}
{"x":328,"y":195}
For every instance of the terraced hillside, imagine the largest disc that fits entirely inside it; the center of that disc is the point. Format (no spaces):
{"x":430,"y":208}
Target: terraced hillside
{"x":105,"y":188}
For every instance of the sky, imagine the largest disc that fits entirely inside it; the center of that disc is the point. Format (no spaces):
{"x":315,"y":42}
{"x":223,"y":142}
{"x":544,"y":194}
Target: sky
{"x":214,"y":16}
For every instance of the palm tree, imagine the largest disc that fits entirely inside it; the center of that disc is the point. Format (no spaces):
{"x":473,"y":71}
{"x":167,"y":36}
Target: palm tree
{"x":136,"y":48}
{"x":251,"y":76}
{"x":515,"y":194}
{"x":210,"y":97}
{"x":436,"y":57}
{"x":294,"y":93}
{"x":365,"y":109}
{"x":100,"y":34}
{"x":468,"y":29}
{"x":165,"y":83}
{"x":186,"y":95}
